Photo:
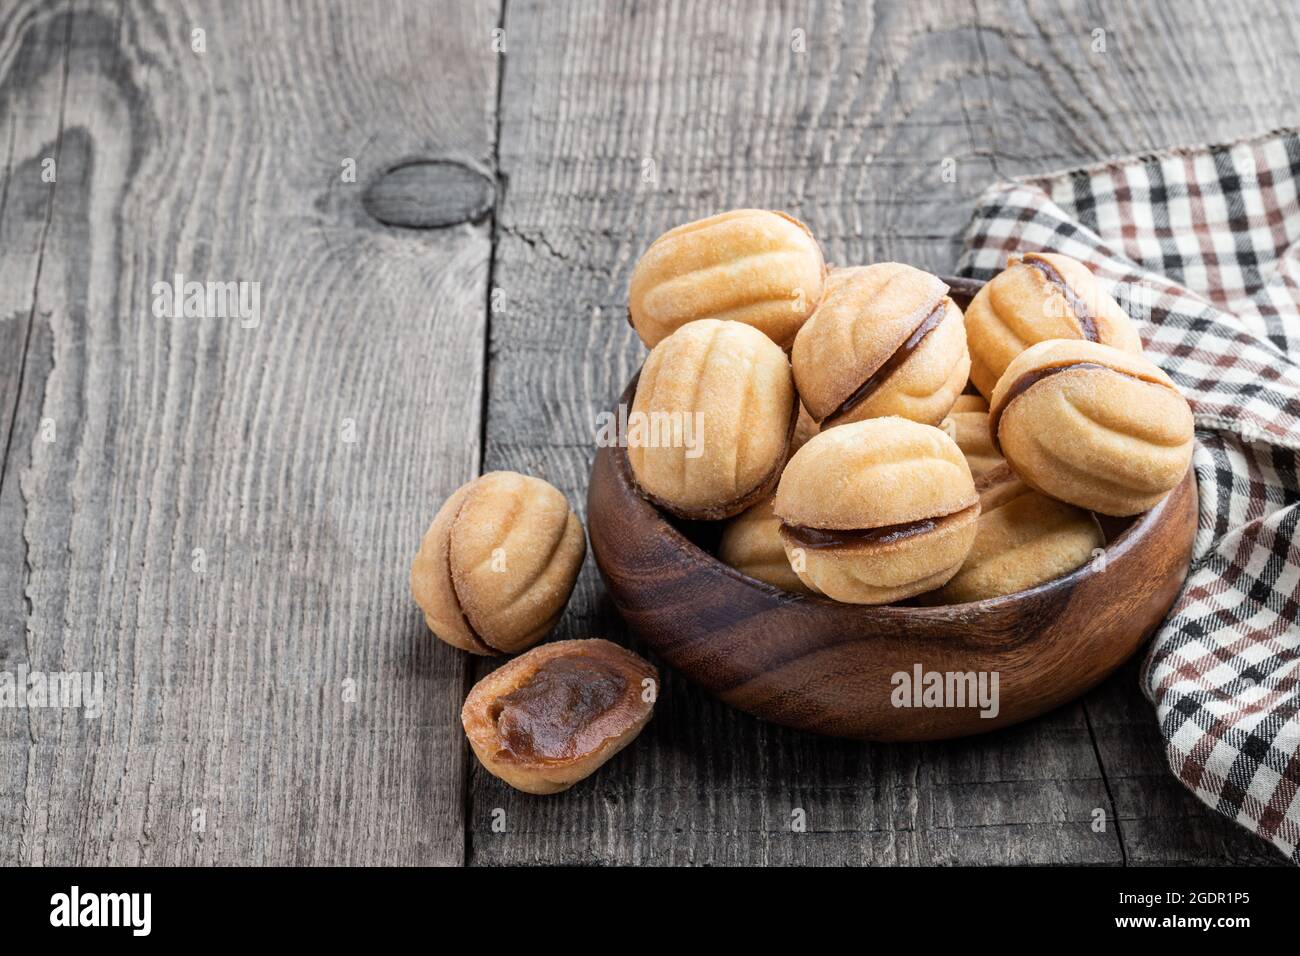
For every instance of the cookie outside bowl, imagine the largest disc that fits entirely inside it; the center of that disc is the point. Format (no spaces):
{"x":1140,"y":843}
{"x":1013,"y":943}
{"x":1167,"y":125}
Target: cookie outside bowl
{"x":817,"y":665}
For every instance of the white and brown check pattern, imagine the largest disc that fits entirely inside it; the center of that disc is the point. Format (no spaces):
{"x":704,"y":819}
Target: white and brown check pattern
{"x":1202,"y":247}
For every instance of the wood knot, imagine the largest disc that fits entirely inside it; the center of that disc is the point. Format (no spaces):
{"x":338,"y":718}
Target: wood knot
{"x":429,"y":194}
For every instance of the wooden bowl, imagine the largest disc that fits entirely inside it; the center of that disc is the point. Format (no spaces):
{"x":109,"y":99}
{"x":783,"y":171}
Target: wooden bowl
{"x":818,"y":665}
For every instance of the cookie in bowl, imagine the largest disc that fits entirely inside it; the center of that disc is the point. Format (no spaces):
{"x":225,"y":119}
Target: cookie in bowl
{"x":712,"y":419}
{"x":754,"y":266}
{"x":751,"y":543}
{"x":1092,"y":425}
{"x":968,"y":425}
{"x":886,"y":340}
{"x":804,"y":429}
{"x":1037,"y":297}
{"x":1022,"y":539}
{"x":877,"y":511}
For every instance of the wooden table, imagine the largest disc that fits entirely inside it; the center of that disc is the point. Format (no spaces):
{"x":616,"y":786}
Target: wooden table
{"x":219,"y":515}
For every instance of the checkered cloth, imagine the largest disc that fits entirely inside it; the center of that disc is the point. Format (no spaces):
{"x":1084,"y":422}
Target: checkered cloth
{"x":1202,"y":247}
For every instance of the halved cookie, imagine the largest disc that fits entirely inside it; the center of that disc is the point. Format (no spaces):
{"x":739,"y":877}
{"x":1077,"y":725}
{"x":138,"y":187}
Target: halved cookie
{"x":551,"y":717}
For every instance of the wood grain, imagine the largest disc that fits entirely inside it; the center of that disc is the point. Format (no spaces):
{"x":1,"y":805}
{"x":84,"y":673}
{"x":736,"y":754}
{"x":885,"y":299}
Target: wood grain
{"x":502,"y":336}
{"x":619,"y":121}
{"x":287,"y":694}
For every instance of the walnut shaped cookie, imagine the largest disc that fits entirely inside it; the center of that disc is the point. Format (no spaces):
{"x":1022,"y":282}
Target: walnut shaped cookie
{"x":497,"y":565}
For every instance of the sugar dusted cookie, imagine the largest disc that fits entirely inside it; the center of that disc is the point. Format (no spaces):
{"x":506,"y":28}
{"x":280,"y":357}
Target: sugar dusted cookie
{"x":761,"y":268}
{"x":1092,"y":425}
{"x":497,"y":565}
{"x":885,"y":340}
{"x":876,"y":511}
{"x":1037,"y":297}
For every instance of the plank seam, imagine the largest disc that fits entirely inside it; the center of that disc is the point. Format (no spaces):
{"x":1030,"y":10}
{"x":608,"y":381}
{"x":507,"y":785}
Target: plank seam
{"x":1105,"y":782}
{"x":494,"y":236}
{"x":18,"y":397}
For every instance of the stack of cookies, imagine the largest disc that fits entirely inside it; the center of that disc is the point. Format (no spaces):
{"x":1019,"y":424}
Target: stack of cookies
{"x":952,"y":456}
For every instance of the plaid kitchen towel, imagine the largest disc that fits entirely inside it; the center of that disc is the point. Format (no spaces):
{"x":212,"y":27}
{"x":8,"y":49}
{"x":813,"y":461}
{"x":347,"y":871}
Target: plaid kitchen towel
{"x":1202,"y":247}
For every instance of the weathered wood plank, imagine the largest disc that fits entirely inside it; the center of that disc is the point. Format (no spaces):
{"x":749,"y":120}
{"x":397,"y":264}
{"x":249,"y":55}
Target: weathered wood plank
{"x":222,"y":521}
{"x":32,"y":111}
{"x":620,"y":120}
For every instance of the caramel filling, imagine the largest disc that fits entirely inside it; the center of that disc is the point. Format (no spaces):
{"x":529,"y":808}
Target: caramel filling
{"x":1087,"y":324}
{"x":928,"y":324}
{"x":820,"y":538}
{"x":543,"y":717}
{"x":1030,"y":379}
